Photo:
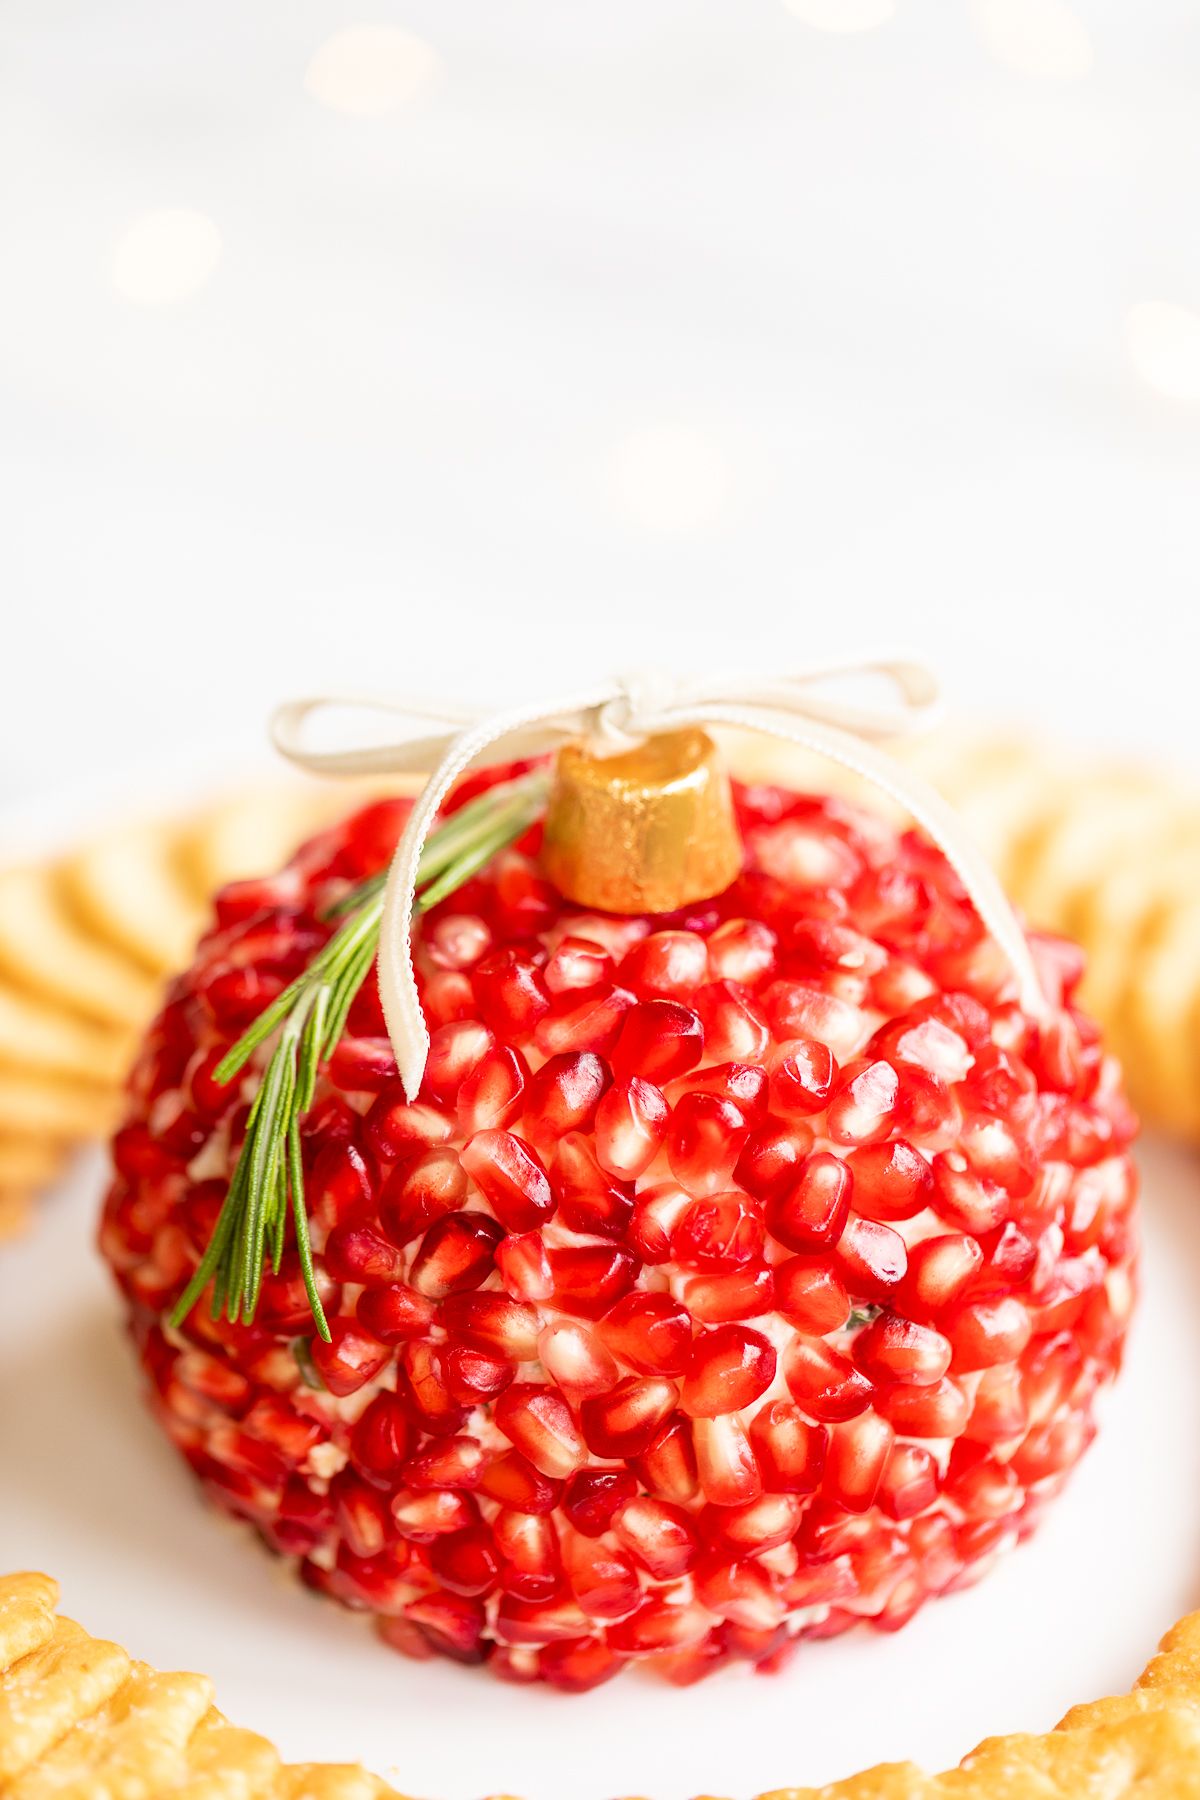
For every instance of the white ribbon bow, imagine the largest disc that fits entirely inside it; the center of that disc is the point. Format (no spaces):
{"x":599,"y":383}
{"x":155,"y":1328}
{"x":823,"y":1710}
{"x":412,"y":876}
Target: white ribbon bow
{"x":614,"y":716}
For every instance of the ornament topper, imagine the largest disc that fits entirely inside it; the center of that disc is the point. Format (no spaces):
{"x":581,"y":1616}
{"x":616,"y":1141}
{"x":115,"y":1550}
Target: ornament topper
{"x":612,"y":717}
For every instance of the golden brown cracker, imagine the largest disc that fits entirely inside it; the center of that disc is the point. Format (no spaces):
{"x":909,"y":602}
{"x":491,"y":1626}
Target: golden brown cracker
{"x":52,"y":1690}
{"x":45,"y":950}
{"x":129,"y":888}
{"x":46,"y":1106}
{"x":42,"y":1035}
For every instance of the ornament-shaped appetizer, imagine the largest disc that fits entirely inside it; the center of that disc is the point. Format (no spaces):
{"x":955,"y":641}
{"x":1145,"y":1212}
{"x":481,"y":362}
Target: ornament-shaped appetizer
{"x":657,"y":1223}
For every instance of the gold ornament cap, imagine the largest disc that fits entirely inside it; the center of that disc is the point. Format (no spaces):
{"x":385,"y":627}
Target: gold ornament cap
{"x":648,"y":830}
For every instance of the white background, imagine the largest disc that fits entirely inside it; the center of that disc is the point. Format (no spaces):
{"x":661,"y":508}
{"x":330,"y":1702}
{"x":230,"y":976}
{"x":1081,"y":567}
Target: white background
{"x":521,"y":339}
{"x":666,"y":330}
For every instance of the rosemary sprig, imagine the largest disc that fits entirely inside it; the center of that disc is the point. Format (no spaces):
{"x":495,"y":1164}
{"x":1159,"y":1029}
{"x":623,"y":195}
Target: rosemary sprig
{"x":309,"y":1017}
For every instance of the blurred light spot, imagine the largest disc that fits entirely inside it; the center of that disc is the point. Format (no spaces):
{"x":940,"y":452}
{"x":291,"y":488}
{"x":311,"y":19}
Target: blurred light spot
{"x":671,"y":478}
{"x":844,"y":16}
{"x":1164,"y":344}
{"x":368,"y":70}
{"x":1042,"y":39}
{"x":165,"y":256}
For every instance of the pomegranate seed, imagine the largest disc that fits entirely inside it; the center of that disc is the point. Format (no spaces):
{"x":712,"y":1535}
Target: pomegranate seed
{"x":824,"y":1382}
{"x":789,"y":1450}
{"x":340,"y":1186}
{"x":493,"y":1322}
{"x":872,"y":1259}
{"x":666,"y":965}
{"x":718,"y":1234}
{"x":743,"y":1083}
{"x":771,"y":1158}
{"x":454,"y":1050}
{"x":631,"y":1123}
{"x":351,"y":1359}
{"x":511,"y":1179}
{"x":514,"y":1483}
{"x":357,"y":1253}
{"x":985,"y":1332}
{"x":424,"y":1375}
{"x":447,"y":996}
{"x":892,"y":1348}
{"x":491,"y":1095}
{"x":725,"y":1462}
{"x":742,"y":950}
{"x":939,"y":1268}
{"x":456,"y":1254}
{"x":667,"y":1467}
{"x":937,"y":1411}
{"x":394,"y":1131}
{"x":511,"y":992}
{"x":811,"y":1294}
{"x":858,"y":1454}
{"x":909,"y":1482}
{"x":576,"y":1360}
{"x":650,"y":1332}
{"x":363,"y":1065}
{"x":528,"y":1545}
{"x":538,"y":1422}
{"x":592,"y":1203}
{"x":579,"y":1666}
{"x":802,"y":1078}
{"x":593,"y":1022}
{"x":623,"y":1423}
{"x":734,"y":1028}
{"x":728,"y":1369}
{"x":465,"y":1561}
{"x":540,"y":1622}
{"x":657,"y":1535}
{"x":656,"y":1212}
{"x":577,"y":966}
{"x":740,"y":1592}
{"x":524,"y":1266}
{"x":603,"y":1580}
{"x":891,"y":1181}
{"x":659,"y":1040}
{"x":456,"y":940}
{"x":563,"y":1096}
{"x":418,"y":1193}
{"x":744,"y":1293}
{"x":812,"y":1211}
{"x":382,"y":1440}
{"x":656,"y":1626}
{"x":395,"y":1314}
{"x":863,"y":1110}
{"x":473,"y":1377}
{"x":594,"y":1496}
{"x":705,"y":1142}
{"x":588,"y":1278}
{"x":424,"y":1517}
{"x":999,"y":1412}
{"x":453,"y":1622}
{"x":360,"y":1513}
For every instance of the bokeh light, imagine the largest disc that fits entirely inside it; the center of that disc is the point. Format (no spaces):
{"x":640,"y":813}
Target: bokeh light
{"x":845,"y":17}
{"x":164,"y":256}
{"x":672,"y":478}
{"x":1041,"y":39}
{"x":1164,"y":345}
{"x":369,"y":70}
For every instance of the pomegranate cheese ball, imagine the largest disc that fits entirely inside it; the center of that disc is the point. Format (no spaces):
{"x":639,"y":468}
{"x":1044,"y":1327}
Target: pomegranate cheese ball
{"x":737,"y":1275}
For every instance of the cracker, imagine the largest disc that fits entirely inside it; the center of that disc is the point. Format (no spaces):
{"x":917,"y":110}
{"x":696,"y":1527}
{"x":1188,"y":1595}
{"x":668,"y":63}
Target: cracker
{"x":27,"y":1603}
{"x":224,"y":1762}
{"x":36,"y":1034}
{"x":51,"y":1691}
{"x":15,"y":1208}
{"x":44,"y":949}
{"x":133,"y":1747}
{"x":28,"y":1161}
{"x":1163,"y":1004}
{"x":45,"y":1106}
{"x":253,"y":833}
{"x":129,"y":889}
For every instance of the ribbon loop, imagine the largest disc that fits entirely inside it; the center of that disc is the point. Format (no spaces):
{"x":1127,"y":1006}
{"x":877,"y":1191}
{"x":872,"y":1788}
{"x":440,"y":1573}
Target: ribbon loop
{"x":804,"y":709}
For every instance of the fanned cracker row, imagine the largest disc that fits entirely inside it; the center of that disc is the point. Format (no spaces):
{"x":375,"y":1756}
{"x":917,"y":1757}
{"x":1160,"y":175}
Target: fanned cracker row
{"x":1109,"y":855}
{"x":80,"y":1720}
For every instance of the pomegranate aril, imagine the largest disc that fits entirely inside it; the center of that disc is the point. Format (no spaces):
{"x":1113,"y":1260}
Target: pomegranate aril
{"x":983,"y":1333}
{"x":812,"y":1210}
{"x":657,"y":1625}
{"x":666,"y":965}
{"x":454,"y":1623}
{"x":865,"y":1105}
{"x":858,"y":1452}
{"x":465,"y":1562}
{"x":447,"y":996}
{"x":491,"y":1094}
{"x":396,"y":1313}
{"x":623,"y":1422}
{"x":740,"y":1592}
{"x":396,"y":1131}
{"x":999,"y":1413}
{"x":771,"y":1158}
{"x":656,"y":1212}
{"x":718,"y":1233}
{"x":362,"y":1065}
{"x":417,"y":1193}
{"x":511,"y":1178}
{"x":984,"y":1487}
{"x":511,"y":992}
{"x":575,"y":1667}
{"x":576,"y":965}
{"x":651,"y":1332}
{"x":424,"y":1383}
{"x":725,"y":1463}
{"x":528,"y":1546}
{"x":763,"y":1524}
{"x":631,"y":1123}
{"x":590,"y":1022}
{"x":909,"y":1482}
{"x":538,"y":1422}
{"x":591,"y":1202}
{"x":937,"y":1411}
{"x":592,"y":1498}
{"x":493,"y":1322}
{"x":361,"y":1514}
{"x":743,"y":1083}
{"x":729,"y":1368}
{"x":588,"y":1278}
{"x":939,"y":1269}
{"x":659,"y":1039}
{"x":340,"y":1186}
{"x":602,"y":1579}
{"x":797,"y":1010}
{"x":456,"y":1254}
{"x":810,"y":1294}
{"x":575,"y":1359}
{"x":359,"y":1254}
{"x":657,"y":1535}
{"x":705,"y":1142}
{"x":741,"y":1294}
{"x":734,"y":1028}
{"x":893,"y":1348}
{"x":742,"y":950}
{"x":789,"y":1449}
{"x":555,"y":1620}
{"x":563,"y":1096}
{"x":422,"y":1517}
{"x":824,"y":1383}
{"x":872,"y":1259}
{"x":803,"y":1076}
{"x":891,"y":1181}
{"x":454,"y":1050}
{"x":964,"y":1200}
{"x":523,"y":1265}
{"x":455,"y":940}
{"x":351,"y":1358}
{"x":381,"y":1440}
{"x":472,"y":1376}
{"x":214,"y":1379}
{"x":513,"y":1482}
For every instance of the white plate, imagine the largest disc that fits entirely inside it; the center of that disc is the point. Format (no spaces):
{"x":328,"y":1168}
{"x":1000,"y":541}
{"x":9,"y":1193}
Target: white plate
{"x":91,"y":1492}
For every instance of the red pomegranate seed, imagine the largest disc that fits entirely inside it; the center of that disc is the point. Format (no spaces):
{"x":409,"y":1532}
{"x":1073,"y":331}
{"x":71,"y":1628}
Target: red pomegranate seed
{"x":446,"y":996}
{"x":864,"y":1108}
{"x":576,"y":965}
{"x":824,"y":1382}
{"x":493,"y":1322}
{"x":514,"y":1483}
{"x":742,"y":950}
{"x":743,"y":1083}
{"x":740,"y":1592}
{"x":734,"y":1028}
{"x":937,"y":1411}
{"x":351,"y":1359}
{"x":909,"y":1482}
{"x":744,"y":1293}
{"x":593,"y":1497}
{"x":363,"y":1065}
{"x":939,"y":1269}
{"x":810,"y":1294}
{"x":455,"y":940}
{"x":652,"y":1333}
{"x":602,"y":1579}
{"x":657,"y":1535}
{"x":491,"y":1095}
{"x":891,"y":1181}
{"x":797,"y":1010}
{"x":623,"y":1422}
{"x":667,"y":1467}
{"x":963,"y":1199}
{"x":456,"y":1254}
{"x":563,"y":1096}
{"x":465,"y":1561}
{"x":803,"y":1076}
{"x":705,"y":1142}
{"x":789,"y":1450}
{"x":357,"y":1253}
{"x":511,"y":1178}
{"x":656,"y":1211}
{"x":340,"y":1186}
{"x":528,"y":1546}
{"x":575,"y":1359}
{"x":538,"y":1422}
{"x":999,"y":1412}
{"x":725,"y":1462}
{"x":394,"y":1131}
{"x":666,"y":965}
{"x":472,"y":1376}
{"x":523,"y":1266}
{"x":592,"y":1203}
{"x":631,"y":1123}
{"x":872,"y":1259}
{"x":729,"y":1368}
{"x":360,"y":1513}
{"x":811,"y":1212}
{"x":592,"y":1021}
{"x":395,"y":1314}
{"x":762,"y":1524}
{"x":588,"y":1278}
{"x":454,"y":1050}
{"x":985,"y":1332}
{"x":657,"y":1625}
{"x":858,"y":1453}
{"x":382,"y":1440}
{"x":555,"y":1620}
{"x":719,"y":1233}
{"x":579,"y":1666}
{"x":511,"y":992}
{"x":453,"y":1622}
{"x":893,"y":1348}
{"x":420,"y":1192}
{"x":659,"y":1040}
